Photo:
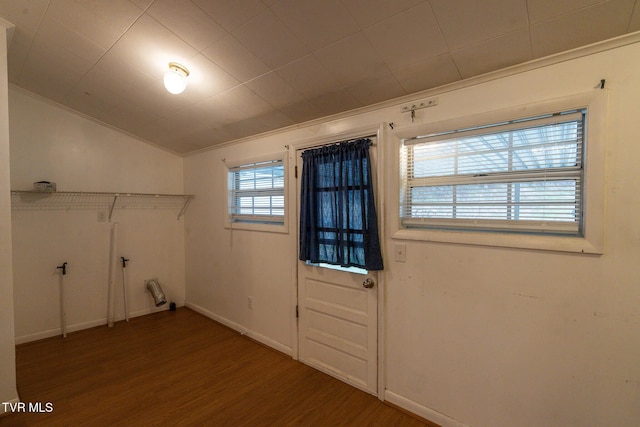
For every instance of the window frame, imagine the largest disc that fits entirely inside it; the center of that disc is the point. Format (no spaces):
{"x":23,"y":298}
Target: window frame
{"x":500,"y":171}
{"x":593,"y":179}
{"x":254,"y":223}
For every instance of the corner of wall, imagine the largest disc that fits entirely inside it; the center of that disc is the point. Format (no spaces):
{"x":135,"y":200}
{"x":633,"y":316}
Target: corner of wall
{"x":8,"y":390}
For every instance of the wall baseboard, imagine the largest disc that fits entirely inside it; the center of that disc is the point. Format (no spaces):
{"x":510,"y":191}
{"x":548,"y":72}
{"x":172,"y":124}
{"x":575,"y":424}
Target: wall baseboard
{"x":58,"y":331}
{"x":244,"y":331}
{"x":421,"y":411}
{"x":86,"y":325}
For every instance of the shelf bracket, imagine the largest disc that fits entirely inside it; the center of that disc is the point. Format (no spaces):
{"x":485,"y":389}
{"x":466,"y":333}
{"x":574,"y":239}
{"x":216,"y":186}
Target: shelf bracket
{"x":184,"y":207}
{"x":113,"y":205}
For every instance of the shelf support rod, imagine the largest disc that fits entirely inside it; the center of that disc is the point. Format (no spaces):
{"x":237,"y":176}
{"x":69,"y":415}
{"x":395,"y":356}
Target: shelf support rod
{"x":113,"y":205}
{"x":184,"y":207}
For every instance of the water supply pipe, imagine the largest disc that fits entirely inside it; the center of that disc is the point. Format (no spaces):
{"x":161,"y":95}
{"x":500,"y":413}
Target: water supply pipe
{"x":63,"y":313}
{"x":124,"y":288}
{"x":113,"y":261}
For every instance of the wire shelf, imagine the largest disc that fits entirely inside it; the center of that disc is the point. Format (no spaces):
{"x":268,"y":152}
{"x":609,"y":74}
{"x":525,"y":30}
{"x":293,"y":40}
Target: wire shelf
{"x":75,"y":200}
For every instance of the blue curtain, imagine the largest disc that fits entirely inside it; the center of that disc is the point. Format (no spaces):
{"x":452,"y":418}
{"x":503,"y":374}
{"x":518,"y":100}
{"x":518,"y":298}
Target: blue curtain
{"x":338,"y":221}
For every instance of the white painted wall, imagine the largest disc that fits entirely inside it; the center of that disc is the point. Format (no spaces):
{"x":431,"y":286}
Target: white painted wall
{"x":8,"y":392}
{"x":227,"y":266}
{"x":474,"y":335}
{"x":50,"y":143}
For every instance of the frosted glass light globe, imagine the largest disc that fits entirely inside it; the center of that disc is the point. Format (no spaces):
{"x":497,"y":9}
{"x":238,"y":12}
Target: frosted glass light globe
{"x":175,"y":79}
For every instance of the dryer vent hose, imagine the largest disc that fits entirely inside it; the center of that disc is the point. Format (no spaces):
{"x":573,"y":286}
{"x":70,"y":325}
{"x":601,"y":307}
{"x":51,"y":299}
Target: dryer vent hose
{"x":156,"y":291}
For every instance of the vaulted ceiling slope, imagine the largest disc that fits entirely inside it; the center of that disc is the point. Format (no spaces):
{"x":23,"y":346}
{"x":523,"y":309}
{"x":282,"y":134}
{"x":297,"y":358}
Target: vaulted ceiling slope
{"x":259,"y":65}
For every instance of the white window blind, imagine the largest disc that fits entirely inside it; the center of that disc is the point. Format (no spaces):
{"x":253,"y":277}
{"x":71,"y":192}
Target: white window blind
{"x":522,"y":176}
{"x":256,"y":192}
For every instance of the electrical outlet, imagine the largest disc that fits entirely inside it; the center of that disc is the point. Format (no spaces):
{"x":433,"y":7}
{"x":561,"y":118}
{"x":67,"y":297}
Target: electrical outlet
{"x":250,"y":303}
{"x":102,"y":216}
{"x":400,"y":252}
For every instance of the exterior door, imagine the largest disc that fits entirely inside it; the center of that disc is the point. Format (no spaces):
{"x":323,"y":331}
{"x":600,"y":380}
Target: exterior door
{"x":338,"y":318}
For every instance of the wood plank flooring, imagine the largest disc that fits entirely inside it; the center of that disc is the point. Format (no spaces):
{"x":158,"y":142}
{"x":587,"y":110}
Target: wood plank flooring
{"x":182,"y":369}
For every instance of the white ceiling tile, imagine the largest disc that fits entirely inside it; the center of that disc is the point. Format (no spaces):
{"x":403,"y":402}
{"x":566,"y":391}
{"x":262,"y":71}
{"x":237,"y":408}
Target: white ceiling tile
{"x":142,"y":4}
{"x":369,"y":12}
{"x":200,"y":139}
{"x":127,"y":106}
{"x":50,"y":60}
{"x":235,"y":59}
{"x":126,"y":115}
{"x":352,"y":60}
{"x":55,"y":31}
{"x":335,"y":102}
{"x":407,"y":37}
{"x":275,"y":90}
{"x":206,"y":79}
{"x":432,"y":72}
{"x":246,"y":102}
{"x":478,"y":59}
{"x":316,"y":23}
{"x":193,"y":117}
{"x":49,"y":83}
{"x":149,"y":47}
{"x":100,"y":83}
{"x":180,"y":141}
{"x":467,"y":22}
{"x":235,"y":104}
{"x":116,"y":72}
{"x":25,"y":14}
{"x":377,"y":89}
{"x":150,"y":132}
{"x":301,"y":111}
{"x":103,"y":22}
{"x":237,"y":130}
{"x":273,"y":120}
{"x":634,"y":22}
{"x":279,"y":48}
{"x":259,"y":124}
{"x":97,"y":107}
{"x":257,"y":65}
{"x":308,"y":77}
{"x":160,"y":132}
{"x":218,"y":114}
{"x":187,"y":21}
{"x":18,"y":52}
{"x":542,"y":10}
{"x":231,"y":13}
{"x":222,"y":134}
{"x":586,"y":26}
{"x":134,"y":87}
{"x":141,"y":91}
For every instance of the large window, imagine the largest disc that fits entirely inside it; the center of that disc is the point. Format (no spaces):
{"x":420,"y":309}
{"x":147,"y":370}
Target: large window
{"x":522,"y":176}
{"x":256,"y":193}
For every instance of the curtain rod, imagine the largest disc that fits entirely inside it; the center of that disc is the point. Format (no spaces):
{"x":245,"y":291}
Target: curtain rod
{"x":311,"y":147}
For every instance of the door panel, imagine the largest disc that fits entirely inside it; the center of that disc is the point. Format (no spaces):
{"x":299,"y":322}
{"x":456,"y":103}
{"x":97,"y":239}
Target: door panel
{"x":338,"y":320}
{"x":338,"y":324}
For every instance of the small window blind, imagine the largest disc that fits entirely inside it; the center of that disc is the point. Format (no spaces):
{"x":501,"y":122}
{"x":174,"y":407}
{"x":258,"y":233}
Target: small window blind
{"x":256,"y":192}
{"x":520,"y":176}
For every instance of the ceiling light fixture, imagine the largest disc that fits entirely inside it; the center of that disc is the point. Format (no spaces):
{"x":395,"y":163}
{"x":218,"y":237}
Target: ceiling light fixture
{"x":175,"y":80}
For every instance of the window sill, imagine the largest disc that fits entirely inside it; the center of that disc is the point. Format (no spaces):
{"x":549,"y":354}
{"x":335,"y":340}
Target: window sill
{"x":268,"y":228}
{"x":583,"y":245}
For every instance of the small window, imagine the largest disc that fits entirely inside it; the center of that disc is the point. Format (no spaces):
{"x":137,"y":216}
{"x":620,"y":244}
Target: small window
{"x":522,"y":176}
{"x":256,"y":193}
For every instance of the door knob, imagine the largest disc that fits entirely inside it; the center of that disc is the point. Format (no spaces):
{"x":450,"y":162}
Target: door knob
{"x":368,"y":283}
